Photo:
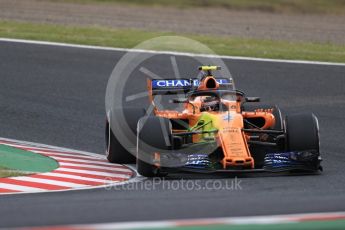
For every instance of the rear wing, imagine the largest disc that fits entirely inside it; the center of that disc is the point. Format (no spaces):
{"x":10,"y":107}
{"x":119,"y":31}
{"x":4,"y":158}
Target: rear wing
{"x":180,"y":86}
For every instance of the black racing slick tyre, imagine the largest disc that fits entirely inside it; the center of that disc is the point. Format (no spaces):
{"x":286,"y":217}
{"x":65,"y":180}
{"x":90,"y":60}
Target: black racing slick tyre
{"x":116,"y":151}
{"x":302,"y":141}
{"x":302,"y":132}
{"x":154,"y":136}
{"x":259,"y":152}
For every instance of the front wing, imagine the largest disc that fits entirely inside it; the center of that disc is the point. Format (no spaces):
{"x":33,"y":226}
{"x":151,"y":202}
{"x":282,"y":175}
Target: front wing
{"x":306,"y":161}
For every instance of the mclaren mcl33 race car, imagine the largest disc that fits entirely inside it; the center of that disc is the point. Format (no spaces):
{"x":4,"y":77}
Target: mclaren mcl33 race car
{"x":212,"y":127}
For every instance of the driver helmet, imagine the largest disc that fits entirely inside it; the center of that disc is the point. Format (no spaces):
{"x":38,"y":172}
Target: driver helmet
{"x":209,"y":103}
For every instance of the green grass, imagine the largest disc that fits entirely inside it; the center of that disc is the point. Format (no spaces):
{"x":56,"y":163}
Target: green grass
{"x":15,"y":162}
{"x":5,"y":172}
{"x":129,"y":38}
{"x":277,"y":6}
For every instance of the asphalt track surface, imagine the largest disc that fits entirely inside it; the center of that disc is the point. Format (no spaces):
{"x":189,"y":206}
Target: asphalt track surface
{"x":55,"y":95}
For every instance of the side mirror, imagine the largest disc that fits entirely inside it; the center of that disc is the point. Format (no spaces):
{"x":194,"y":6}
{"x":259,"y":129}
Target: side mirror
{"x":252,"y":99}
{"x":179,"y":100}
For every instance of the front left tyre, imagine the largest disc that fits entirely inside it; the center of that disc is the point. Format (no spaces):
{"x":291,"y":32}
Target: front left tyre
{"x":302,"y":132}
{"x":303,"y":141}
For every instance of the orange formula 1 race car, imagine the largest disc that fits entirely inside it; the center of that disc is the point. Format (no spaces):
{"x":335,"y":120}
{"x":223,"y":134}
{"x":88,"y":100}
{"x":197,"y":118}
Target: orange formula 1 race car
{"x":212,"y":128}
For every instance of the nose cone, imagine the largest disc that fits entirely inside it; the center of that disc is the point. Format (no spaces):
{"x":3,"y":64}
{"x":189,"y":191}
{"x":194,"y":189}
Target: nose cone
{"x":208,"y":83}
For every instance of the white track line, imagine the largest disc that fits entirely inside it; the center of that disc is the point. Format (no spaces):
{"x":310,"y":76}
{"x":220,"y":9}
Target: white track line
{"x":52,"y":151}
{"x":29,"y":148}
{"x":97,"y":160}
{"x":63,"y":154}
{"x":74,"y":157}
{"x":82,"y":161}
{"x":86,"y":164}
{"x":169,"y":52}
{"x":32,"y":144}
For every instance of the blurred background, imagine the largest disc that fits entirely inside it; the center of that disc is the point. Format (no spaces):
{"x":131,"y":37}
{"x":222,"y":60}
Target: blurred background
{"x":288,"y":29}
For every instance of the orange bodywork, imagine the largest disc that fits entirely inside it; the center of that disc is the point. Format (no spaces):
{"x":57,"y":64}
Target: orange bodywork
{"x":230,"y":124}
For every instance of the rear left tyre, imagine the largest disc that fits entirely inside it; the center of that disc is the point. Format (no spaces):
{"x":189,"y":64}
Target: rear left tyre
{"x":117,"y":151}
